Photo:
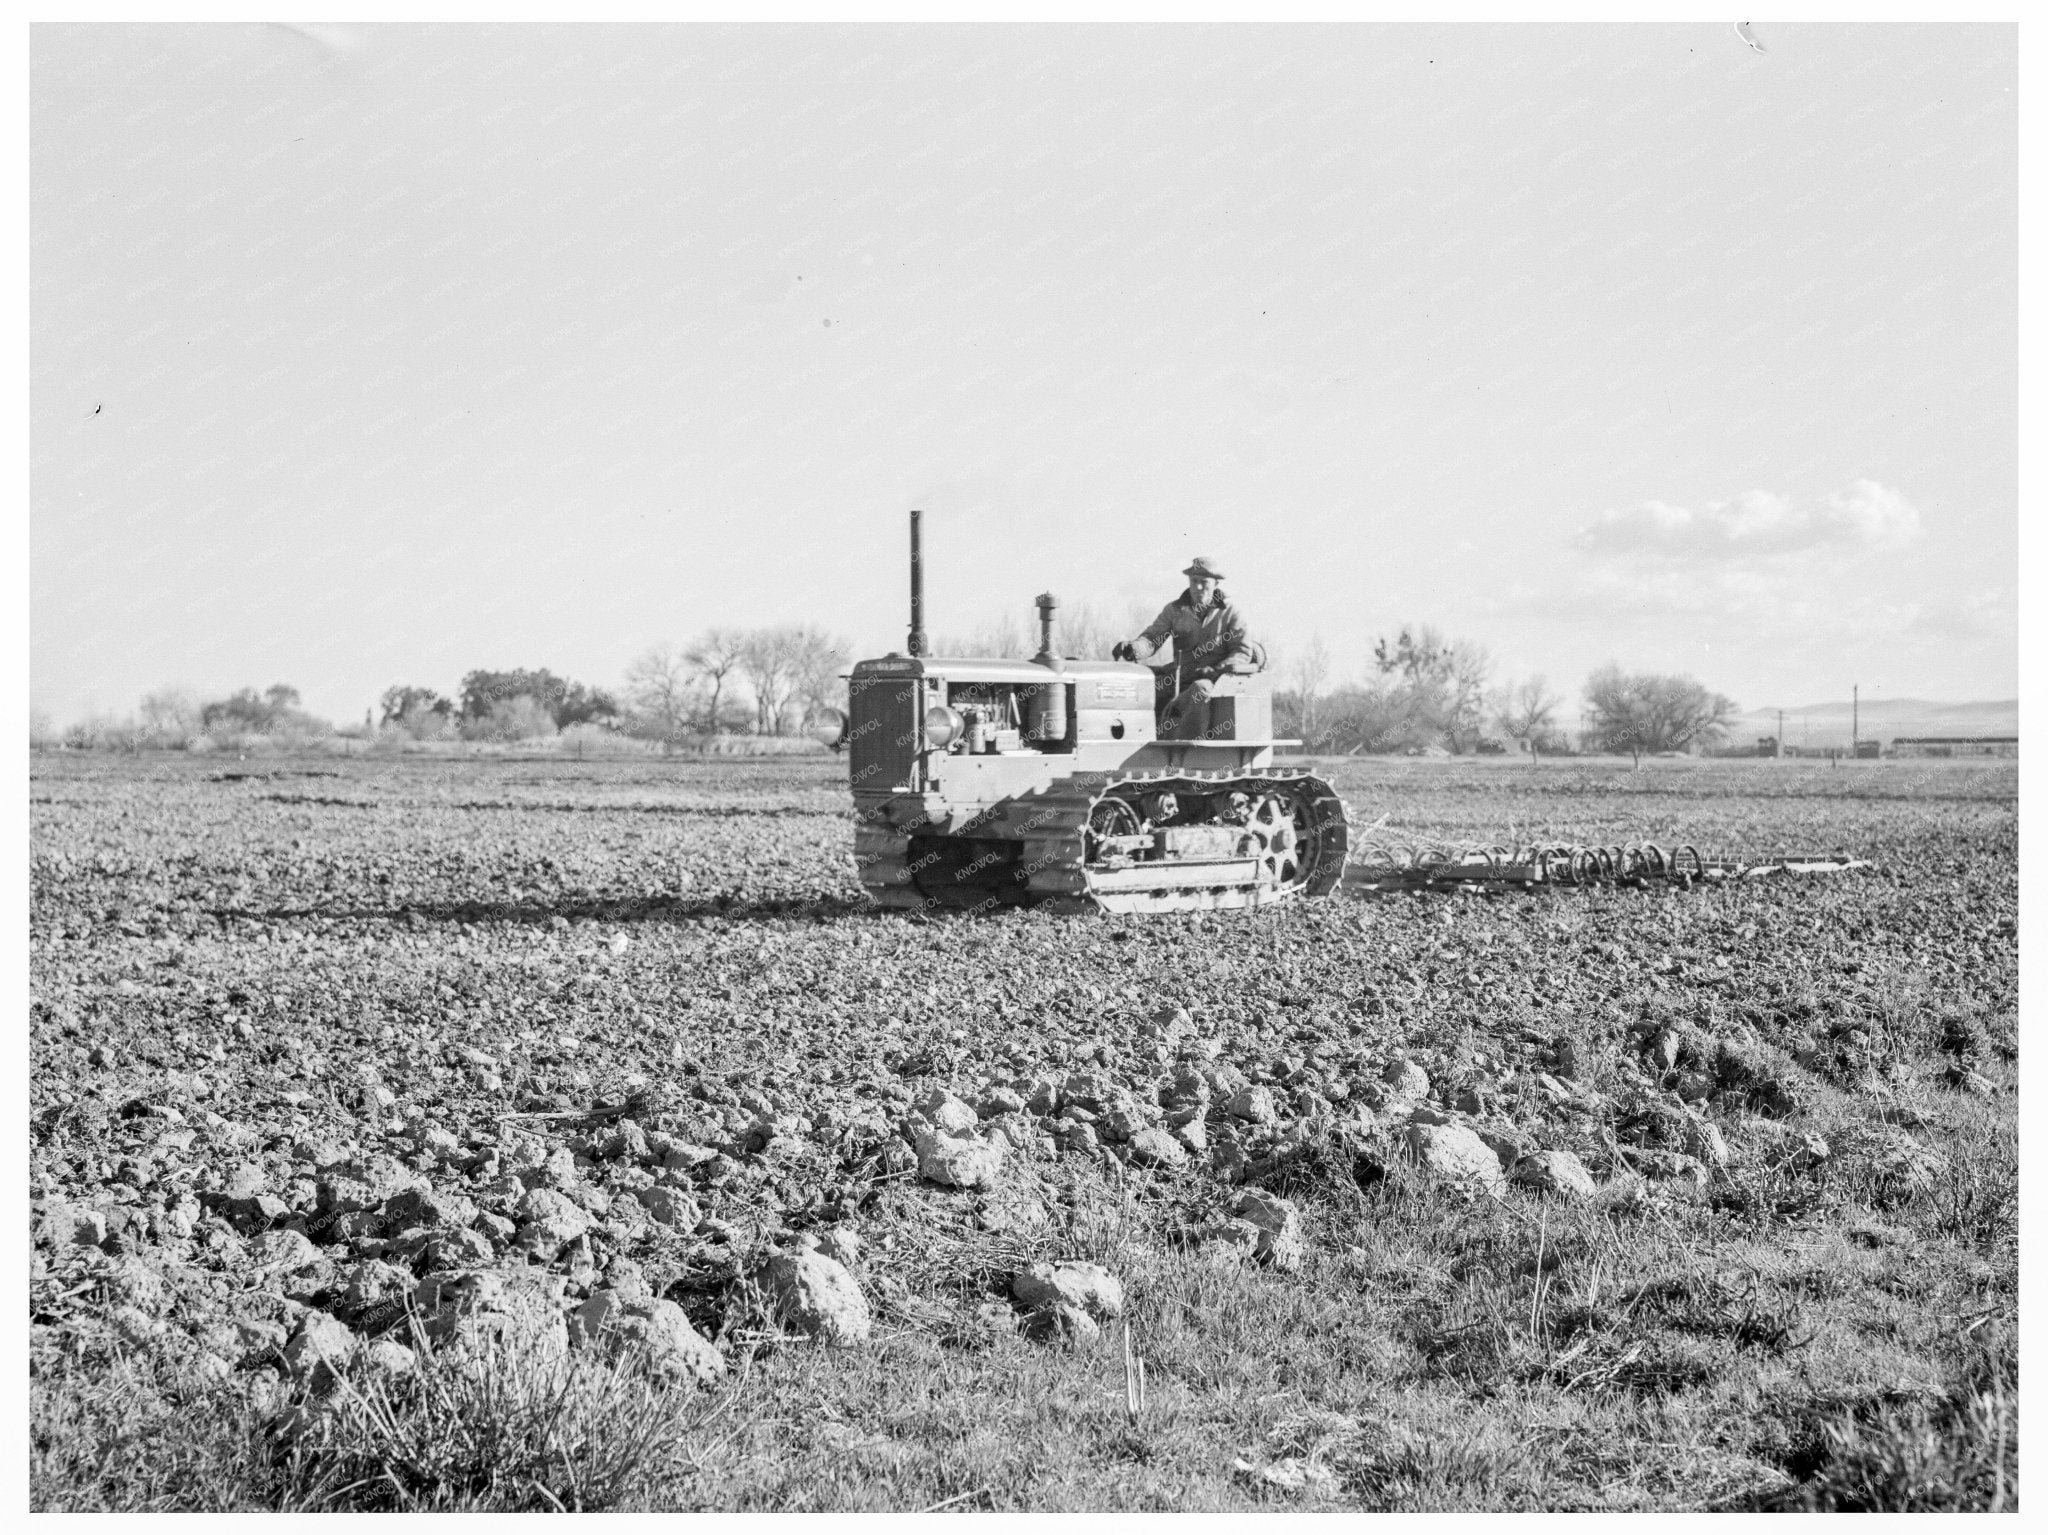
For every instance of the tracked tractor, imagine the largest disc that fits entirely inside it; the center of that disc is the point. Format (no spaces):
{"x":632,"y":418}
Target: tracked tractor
{"x":984,"y":783}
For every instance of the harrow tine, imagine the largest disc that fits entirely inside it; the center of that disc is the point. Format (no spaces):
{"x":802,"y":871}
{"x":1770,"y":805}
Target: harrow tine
{"x":1386,"y":864}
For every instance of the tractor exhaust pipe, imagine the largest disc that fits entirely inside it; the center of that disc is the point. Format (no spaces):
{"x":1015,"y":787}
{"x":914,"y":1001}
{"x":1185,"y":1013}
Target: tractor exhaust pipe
{"x":1047,"y":605}
{"x":917,"y":639}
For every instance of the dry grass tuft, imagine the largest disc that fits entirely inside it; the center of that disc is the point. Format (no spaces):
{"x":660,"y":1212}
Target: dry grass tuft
{"x":506,"y":1426}
{"x":132,"y":1438}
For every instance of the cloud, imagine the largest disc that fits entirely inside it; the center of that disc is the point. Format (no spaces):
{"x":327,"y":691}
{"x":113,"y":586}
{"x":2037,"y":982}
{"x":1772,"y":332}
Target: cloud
{"x":1791,"y":606}
{"x":1983,"y":616}
{"x":1759,"y":525}
{"x":1717,"y":593}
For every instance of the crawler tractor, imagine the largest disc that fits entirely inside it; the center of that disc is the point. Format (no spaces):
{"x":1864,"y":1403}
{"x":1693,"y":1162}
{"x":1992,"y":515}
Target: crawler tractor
{"x":988,"y":783}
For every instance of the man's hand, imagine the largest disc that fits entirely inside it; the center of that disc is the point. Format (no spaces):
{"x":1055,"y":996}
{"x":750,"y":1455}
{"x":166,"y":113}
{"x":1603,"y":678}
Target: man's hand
{"x":1122,"y":650}
{"x":1202,"y":688}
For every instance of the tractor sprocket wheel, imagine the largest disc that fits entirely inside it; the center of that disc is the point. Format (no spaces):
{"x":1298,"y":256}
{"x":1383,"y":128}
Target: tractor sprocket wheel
{"x":1280,"y":828}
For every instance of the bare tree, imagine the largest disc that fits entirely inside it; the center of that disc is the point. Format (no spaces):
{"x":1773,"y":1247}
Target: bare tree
{"x":1137,"y":617}
{"x":1651,"y":713}
{"x":1085,"y":629}
{"x":768,"y":657}
{"x":1527,"y":710}
{"x":816,"y":660}
{"x":404,"y":701}
{"x":660,"y":687}
{"x":1311,"y":669}
{"x":1369,"y":717}
{"x":170,"y":713}
{"x":418,"y":712}
{"x":1003,"y":636}
{"x":521,"y":717}
{"x":713,"y":656}
{"x":1470,"y":665}
{"x":1440,"y":684}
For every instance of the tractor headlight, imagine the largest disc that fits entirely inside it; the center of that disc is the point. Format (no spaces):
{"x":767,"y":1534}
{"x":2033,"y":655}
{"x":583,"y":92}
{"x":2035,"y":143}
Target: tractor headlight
{"x":943,"y":726}
{"x":829,"y":728}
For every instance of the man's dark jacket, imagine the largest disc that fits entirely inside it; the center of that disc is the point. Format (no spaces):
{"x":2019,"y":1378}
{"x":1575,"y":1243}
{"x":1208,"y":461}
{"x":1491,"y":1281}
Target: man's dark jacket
{"x":1207,"y":641}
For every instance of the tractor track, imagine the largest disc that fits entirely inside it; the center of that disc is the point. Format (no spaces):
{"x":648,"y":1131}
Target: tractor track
{"x":1037,"y":853}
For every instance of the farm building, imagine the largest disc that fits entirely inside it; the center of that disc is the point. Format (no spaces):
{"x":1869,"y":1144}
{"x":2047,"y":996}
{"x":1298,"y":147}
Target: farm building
{"x":1955,"y":746}
{"x":1765,"y":746}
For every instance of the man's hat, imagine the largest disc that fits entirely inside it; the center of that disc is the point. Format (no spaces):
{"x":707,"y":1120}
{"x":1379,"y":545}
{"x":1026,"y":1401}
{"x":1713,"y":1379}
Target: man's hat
{"x":1202,"y":567}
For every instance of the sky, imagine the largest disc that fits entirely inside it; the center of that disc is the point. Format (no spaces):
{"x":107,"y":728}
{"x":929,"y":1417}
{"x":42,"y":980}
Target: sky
{"x":365,"y":356}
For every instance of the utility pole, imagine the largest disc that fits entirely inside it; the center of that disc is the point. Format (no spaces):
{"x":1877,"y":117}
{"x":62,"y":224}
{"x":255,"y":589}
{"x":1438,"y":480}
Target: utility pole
{"x":1779,"y":749}
{"x":1855,"y":701}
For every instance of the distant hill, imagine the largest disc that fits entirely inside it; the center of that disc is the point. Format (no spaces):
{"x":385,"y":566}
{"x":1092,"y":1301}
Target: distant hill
{"x":1879,"y":719}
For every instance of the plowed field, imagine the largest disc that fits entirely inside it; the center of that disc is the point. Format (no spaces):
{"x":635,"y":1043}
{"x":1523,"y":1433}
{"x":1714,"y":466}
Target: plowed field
{"x":1788,"y":1279}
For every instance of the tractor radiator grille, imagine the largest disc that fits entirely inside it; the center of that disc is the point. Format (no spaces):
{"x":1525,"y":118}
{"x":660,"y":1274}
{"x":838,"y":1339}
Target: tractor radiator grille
{"x":883,"y":735}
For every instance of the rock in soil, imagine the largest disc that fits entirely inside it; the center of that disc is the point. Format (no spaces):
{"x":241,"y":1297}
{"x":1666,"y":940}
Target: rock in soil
{"x":960,"y":1161}
{"x":816,"y":1296}
{"x":1555,"y":1172}
{"x":1278,"y":1224}
{"x":1237,"y":1238}
{"x":1505,"y":1142}
{"x":946,"y":1113}
{"x":673,"y":1348}
{"x":1455,"y":1153}
{"x":1405,"y":1081}
{"x":549,"y":1221}
{"x":670,"y":1207}
{"x":1087,"y":1286}
{"x":1254,"y":1105}
{"x":317,"y":1347}
{"x":285,"y":1251}
{"x":1000,"y":1101}
{"x":1154,"y":1147}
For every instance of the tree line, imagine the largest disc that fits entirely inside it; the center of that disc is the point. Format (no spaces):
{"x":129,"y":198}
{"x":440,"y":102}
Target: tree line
{"x":1421,"y":690}
{"x":770,"y":681}
{"x":174,"y":716}
{"x":515,"y":705}
{"x":1427,"y":691}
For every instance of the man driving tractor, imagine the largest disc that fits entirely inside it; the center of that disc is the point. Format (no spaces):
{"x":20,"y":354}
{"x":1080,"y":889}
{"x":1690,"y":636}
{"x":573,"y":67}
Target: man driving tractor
{"x":1209,"y":641}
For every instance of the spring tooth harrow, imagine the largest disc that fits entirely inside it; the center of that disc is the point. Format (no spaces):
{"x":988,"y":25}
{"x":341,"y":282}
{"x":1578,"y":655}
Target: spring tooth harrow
{"x":1390,"y":866}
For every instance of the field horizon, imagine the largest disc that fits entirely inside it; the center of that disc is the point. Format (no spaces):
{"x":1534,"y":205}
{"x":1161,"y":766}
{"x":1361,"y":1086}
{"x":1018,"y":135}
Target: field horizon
{"x":1829,"y":724}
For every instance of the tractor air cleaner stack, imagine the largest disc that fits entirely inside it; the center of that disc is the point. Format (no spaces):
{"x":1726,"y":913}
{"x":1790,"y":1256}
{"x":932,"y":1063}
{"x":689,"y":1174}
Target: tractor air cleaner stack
{"x":1049,"y":709}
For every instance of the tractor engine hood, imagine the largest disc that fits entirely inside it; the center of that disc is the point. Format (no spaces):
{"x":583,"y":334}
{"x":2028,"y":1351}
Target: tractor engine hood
{"x":999,"y":669}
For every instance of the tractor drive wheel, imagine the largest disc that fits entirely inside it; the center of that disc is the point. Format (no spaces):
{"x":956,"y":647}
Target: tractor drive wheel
{"x":1280,"y":830}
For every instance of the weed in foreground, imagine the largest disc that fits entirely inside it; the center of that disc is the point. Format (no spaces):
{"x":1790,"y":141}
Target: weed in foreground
{"x":505,"y":1426}
{"x":1975,"y":1198}
{"x":1956,"y":1456}
{"x":1952,"y":1448}
{"x":129,"y":1440}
